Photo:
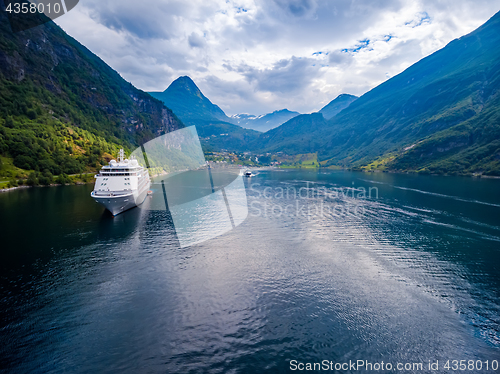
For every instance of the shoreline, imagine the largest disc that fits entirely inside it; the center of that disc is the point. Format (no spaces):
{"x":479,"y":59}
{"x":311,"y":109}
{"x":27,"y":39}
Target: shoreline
{"x":473,"y":175}
{"x":13,"y":188}
{"x":478,"y":176}
{"x":50,"y":185}
{"x":469,"y":175}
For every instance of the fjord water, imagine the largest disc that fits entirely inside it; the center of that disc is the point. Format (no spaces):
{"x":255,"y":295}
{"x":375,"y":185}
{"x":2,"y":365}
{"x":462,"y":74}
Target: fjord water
{"x":318,"y":271}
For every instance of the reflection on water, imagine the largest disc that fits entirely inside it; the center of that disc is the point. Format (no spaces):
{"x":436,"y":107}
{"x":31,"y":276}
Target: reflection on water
{"x":203,"y":203}
{"x":411,"y":276}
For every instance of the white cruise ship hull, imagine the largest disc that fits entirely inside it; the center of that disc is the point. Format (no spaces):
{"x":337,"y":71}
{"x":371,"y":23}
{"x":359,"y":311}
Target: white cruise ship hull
{"x":121,"y":185}
{"x":117,"y":204}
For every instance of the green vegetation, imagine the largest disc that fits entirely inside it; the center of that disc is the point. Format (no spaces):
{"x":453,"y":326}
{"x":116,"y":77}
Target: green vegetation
{"x":294,"y":136}
{"x":32,"y":138}
{"x":300,"y":161}
{"x":49,"y":144}
{"x":8,"y":171}
{"x":230,"y":157}
{"x":46,"y":178}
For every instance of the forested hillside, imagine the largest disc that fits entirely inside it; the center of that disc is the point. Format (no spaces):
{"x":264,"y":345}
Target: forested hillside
{"x":441,"y":115}
{"x":62,"y":109}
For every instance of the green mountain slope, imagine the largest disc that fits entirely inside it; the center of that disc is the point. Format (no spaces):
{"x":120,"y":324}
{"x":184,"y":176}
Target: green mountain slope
{"x":441,"y":115}
{"x":293,"y":136}
{"x":213,"y":126}
{"x":62,"y":108}
{"x":296,"y":136}
{"x":337,"y":105}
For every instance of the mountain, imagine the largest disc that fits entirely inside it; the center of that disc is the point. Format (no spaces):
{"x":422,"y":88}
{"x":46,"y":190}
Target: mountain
{"x":337,"y":105}
{"x":62,"y":108}
{"x":441,"y":115}
{"x":186,"y":99}
{"x":264,"y":122}
{"x":215,"y":129}
{"x":294,"y":135}
{"x":290,"y":136}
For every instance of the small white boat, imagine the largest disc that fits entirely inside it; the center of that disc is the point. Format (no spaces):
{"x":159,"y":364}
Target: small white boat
{"x":248,"y":174}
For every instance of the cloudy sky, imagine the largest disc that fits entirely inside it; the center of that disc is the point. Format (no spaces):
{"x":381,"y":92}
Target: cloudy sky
{"x":256,"y":56}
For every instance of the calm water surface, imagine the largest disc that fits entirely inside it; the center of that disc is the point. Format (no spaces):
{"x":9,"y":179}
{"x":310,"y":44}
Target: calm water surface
{"x":320,"y":270}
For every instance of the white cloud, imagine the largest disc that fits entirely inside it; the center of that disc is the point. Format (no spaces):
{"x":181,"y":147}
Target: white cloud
{"x":196,"y":41}
{"x":256,"y":56}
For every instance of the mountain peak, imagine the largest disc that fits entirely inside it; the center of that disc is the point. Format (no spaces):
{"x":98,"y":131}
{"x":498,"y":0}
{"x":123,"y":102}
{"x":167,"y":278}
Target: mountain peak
{"x":344,"y":95}
{"x":184,"y":83}
{"x":188,"y":102}
{"x":338,"y":104}
{"x":265,"y":122}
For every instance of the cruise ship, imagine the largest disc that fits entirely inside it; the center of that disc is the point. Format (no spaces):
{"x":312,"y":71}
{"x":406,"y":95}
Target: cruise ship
{"x":121,"y":185}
